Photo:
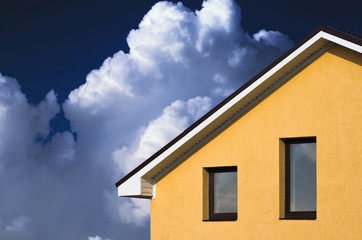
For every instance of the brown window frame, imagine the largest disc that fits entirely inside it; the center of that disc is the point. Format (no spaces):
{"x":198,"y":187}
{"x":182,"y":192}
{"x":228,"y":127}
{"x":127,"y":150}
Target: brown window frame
{"x":303,"y":215}
{"x":218,"y":216}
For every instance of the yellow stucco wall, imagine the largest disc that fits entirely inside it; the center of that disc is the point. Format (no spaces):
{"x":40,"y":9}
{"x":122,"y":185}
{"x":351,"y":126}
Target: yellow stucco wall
{"x":323,"y":100}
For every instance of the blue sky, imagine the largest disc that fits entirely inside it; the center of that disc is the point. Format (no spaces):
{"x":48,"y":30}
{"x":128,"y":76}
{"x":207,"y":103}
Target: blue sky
{"x":84,"y":98}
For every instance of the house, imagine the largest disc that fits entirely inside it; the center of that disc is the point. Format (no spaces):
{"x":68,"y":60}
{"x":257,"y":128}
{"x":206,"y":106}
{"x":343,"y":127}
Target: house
{"x":281,"y":158}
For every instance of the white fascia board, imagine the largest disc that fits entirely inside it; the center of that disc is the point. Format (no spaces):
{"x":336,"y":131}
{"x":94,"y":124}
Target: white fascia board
{"x":132,"y":186}
{"x":342,"y":42}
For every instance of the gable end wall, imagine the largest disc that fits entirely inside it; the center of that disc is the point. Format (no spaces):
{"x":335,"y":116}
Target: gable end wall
{"x":322,"y":100}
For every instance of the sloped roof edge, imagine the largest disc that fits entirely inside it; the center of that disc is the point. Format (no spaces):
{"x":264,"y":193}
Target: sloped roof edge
{"x":353,"y":41}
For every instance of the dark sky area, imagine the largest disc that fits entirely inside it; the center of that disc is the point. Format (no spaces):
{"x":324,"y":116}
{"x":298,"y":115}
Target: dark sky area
{"x":54,"y":44}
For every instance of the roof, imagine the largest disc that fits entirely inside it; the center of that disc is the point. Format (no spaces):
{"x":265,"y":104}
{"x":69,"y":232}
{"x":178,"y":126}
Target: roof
{"x":140,"y":182}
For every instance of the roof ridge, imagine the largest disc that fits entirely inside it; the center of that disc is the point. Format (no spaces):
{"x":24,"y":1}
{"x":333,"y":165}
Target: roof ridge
{"x":344,"y":31}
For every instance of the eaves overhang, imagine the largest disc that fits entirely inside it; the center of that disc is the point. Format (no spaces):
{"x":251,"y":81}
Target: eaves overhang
{"x":140,"y":182}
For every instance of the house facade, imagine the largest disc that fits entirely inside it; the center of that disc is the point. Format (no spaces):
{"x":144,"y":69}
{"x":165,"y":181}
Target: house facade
{"x":281,"y":158}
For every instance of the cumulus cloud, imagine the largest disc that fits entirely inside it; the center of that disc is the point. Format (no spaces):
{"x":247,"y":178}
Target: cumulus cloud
{"x":19,"y":228}
{"x":129,"y":211}
{"x":160,"y":131}
{"x":18,"y":224}
{"x":24,"y":129}
{"x":173,"y":120}
{"x":97,"y":238}
{"x":273,"y":38}
{"x":21,"y":124}
{"x":175,"y":54}
{"x":180,"y":64}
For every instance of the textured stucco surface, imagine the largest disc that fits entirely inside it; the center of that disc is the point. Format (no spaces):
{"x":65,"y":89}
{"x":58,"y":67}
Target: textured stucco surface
{"x":322,"y":100}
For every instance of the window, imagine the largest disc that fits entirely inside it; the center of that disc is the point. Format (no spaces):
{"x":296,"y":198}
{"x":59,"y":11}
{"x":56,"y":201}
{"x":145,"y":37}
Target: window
{"x":220,"y":194}
{"x":300,"y":178}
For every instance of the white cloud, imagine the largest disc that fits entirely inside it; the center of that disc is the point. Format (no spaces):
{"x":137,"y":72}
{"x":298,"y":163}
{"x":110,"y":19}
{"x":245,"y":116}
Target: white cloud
{"x":173,"y":120}
{"x":26,"y":156}
{"x":160,"y":131}
{"x":175,"y":55}
{"x":220,"y":14}
{"x":18,"y":224}
{"x":180,"y":64}
{"x":20,"y":227}
{"x":274,"y":38}
{"x":134,"y":211}
{"x":21,"y":124}
{"x":138,"y":101}
{"x":97,"y":238}
{"x":125,"y":210}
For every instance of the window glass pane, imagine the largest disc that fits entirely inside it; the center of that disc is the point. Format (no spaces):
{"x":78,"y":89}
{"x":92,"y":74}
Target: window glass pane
{"x":303,"y":177}
{"x":225,"y":197}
